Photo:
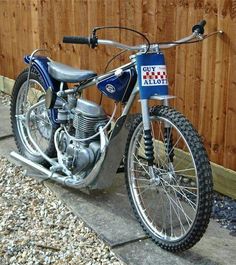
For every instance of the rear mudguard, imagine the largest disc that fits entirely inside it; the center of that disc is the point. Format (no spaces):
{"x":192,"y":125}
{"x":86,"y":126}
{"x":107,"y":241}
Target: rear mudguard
{"x":40,"y":64}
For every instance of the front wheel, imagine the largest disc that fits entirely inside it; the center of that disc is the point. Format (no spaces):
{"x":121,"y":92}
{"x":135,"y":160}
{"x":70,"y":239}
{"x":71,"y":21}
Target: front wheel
{"x":172,"y":201}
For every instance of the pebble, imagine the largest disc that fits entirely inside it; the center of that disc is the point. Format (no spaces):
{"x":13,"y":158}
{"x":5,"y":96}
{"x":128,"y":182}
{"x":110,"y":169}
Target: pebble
{"x":224,"y":212}
{"x":4,"y":99}
{"x":36,"y":228}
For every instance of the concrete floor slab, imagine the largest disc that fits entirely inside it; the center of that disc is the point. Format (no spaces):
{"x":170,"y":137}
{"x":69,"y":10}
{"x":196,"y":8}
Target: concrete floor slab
{"x":107,"y":212}
{"x":215,"y":248}
{"x":5,"y":128}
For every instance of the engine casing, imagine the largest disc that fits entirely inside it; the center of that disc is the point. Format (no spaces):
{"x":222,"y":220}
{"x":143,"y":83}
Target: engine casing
{"x":80,"y":157}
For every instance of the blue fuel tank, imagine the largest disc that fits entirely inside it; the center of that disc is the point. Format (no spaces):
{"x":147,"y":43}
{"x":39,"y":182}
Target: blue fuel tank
{"x":119,"y":87}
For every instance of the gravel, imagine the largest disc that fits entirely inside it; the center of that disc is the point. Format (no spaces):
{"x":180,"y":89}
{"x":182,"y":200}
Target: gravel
{"x":36,"y":228}
{"x":224,"y":212}
{"x":5,"y":99}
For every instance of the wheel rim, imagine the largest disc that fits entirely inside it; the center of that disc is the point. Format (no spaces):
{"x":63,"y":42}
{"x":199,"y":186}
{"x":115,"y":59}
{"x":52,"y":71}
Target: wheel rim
{"x":40,"y":126}
{"x":166,"y":201}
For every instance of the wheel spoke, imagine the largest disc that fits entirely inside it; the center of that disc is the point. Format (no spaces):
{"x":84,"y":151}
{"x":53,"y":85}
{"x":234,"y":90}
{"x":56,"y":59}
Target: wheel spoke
{"x":176,"y":211}
{"x":193,"y":205}
{"x":39,"y":126}
{"x":141,"y":164}
{"x":184,"y":170}
{"x":172,"y":149}
{"x":179,"y":206}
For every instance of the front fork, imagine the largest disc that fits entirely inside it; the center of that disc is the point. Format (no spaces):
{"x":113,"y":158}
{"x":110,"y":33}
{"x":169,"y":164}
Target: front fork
{"x":148,"y":139}
{"x":147,"y":131}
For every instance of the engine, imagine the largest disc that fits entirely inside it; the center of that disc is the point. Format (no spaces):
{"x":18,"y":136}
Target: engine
{"x":80,"y":157}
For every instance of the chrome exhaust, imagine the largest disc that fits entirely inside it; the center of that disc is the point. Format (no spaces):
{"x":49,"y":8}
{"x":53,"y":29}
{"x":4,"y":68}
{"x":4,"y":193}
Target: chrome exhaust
{"x":68,"y":181}
{"x":28,"y":162}
{"x":46,"y":174}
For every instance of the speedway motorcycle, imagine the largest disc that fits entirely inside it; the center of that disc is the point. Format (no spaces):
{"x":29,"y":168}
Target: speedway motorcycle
{"x":73,"y":141}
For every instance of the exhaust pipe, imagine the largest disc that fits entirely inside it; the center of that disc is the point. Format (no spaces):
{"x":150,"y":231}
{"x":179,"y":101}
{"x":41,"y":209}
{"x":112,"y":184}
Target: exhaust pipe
{"x":28,"y":162}
{"x":46,"y":174}
{"x":68,"y":181}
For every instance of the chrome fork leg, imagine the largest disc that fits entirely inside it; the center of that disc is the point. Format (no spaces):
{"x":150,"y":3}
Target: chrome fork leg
{"x":148,"y":143}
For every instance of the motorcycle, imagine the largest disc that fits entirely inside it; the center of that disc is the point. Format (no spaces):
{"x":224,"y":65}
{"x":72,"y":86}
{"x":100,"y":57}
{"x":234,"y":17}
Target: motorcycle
{"x":71,"y":140}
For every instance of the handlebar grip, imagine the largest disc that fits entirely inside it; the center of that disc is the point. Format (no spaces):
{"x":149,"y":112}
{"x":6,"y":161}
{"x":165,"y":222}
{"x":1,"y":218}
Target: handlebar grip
{"x":199,"y":27}
{"x":202,"y":23}
{"x":76,"y":40}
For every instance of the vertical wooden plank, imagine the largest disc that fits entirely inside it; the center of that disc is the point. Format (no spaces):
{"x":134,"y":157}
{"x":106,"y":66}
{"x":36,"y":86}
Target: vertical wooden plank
{"x":180,"y":66}
{"x":127,"y":20}
{"x":166,"y":31}
{"x":193,"y":67}
{"x":7,"y":46}
{"x":79,"y":53}
{"x":96,"y":17}
{"x":48,"y":29}
{"x":131,"y":15}
{"x":229,"y":152}
{"x":207,"y":76}
{"x":3,"y":20}
{"x":10,"y":39}
{"x":26,"y":28}
{"x":35,"y":24}
{"x":16,"y":60}
{"x":112,"y":12}
{"x":64,"y":25}
{"x":230,"y":128}
{"x":220,"y":93}
{"x":138,"y":25}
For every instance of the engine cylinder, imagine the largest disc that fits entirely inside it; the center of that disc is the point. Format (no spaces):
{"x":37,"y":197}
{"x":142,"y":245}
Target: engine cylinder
{"x":88,"y":117}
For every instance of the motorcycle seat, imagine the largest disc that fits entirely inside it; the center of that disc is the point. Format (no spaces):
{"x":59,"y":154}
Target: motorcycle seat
{"x":66,"y":73}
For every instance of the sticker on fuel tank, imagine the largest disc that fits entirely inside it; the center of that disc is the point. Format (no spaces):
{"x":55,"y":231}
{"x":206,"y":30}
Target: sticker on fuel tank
{"x":154,"y":75}
{"x":110,"y":88}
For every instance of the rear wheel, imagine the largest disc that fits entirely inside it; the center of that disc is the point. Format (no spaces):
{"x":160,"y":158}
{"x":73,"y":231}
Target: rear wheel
{"x":173,"y":201}
{"x":40,"y":126}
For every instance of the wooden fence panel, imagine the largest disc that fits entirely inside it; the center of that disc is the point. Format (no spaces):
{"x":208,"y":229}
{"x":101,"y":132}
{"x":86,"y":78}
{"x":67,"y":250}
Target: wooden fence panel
{"x":201,"y":75}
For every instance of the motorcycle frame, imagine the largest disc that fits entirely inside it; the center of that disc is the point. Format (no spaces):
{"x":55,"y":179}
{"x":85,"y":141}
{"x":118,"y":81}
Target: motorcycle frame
{"x":104,"y":173}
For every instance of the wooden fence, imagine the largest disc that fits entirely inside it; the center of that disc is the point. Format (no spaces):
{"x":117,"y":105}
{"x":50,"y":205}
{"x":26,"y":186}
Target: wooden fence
{"x":202,"y":76}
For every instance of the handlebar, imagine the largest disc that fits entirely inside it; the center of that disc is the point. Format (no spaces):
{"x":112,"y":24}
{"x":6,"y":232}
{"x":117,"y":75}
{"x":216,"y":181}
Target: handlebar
{"x":199,"y":27}
{"x":76,"y":40}
{"x":93,"y":41}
